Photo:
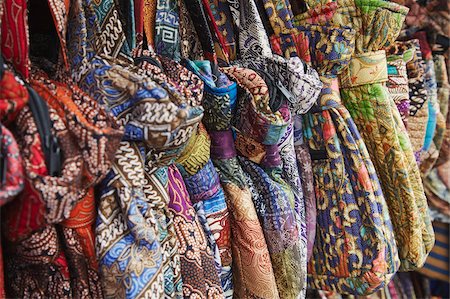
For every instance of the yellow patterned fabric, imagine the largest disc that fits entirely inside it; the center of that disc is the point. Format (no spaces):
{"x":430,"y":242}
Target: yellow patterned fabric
{"x":364,"y":93}
{"x":364,"y":69}
{"x":196,"y":154}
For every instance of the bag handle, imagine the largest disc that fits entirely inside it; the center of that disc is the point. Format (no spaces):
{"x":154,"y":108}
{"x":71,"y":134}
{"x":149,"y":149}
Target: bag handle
{"x":49,"y":142}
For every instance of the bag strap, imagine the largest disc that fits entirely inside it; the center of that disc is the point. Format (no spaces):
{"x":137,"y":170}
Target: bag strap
{"x":49,"y":142}
{"x":3,"y":160}
{"x":149,"y":59}
{"x":2,"y":66}
{"x":167,"y":35}
{"x":222,"y":22}
{"x":198,"y":15}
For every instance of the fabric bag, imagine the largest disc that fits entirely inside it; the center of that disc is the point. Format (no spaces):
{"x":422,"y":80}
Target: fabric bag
{"x":208,"y":198}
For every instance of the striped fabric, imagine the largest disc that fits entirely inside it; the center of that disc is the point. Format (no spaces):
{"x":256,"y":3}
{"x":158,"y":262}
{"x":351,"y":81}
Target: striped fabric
{"x":437,"y":264}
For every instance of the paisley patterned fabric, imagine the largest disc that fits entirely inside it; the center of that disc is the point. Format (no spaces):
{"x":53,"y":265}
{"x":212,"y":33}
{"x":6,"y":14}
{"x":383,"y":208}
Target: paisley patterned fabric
{"x":208,"y":198}
{"x":253,"y":274}
{"x":198,"y":271}
{"x":344,"y":177}
{"x":46,"y":223}
{"x":281,"y":213}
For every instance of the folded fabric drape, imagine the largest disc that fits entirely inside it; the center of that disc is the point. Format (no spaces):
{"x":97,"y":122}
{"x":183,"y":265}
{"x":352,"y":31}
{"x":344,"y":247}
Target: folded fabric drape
{"x":418,"y":112}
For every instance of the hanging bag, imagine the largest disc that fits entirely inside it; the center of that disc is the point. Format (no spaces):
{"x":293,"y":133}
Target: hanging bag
{"x":344,"y":178}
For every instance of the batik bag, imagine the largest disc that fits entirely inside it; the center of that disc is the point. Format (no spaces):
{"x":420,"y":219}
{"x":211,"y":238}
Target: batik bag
{"x":344,"y":174}
{"x":252,"y":269}
{"x":98,"y":136}
{"x":400,"y":171}
{"x":364,"y":93}
{"x":126,"y":221}
{"x":57,"y":179}
{"x":297,"y":85}
{"x":187,"y":88}
{"x":259,"y":130}
{"x":160,"y":140}
{"x":251,"y":276}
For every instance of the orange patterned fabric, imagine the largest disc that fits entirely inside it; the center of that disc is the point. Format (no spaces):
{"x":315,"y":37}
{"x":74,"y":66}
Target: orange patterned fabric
{"x":149,"y":21}
{"x":49,"y":228}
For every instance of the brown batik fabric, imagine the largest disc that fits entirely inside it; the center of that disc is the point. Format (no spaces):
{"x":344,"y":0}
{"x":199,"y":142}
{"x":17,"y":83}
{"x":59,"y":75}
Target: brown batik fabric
{"x":50,"y":238}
